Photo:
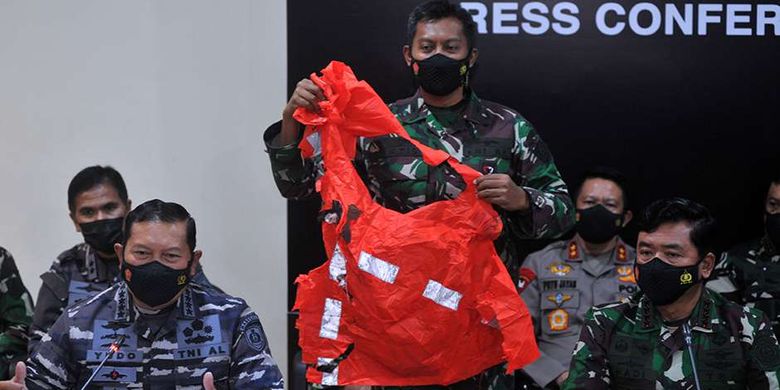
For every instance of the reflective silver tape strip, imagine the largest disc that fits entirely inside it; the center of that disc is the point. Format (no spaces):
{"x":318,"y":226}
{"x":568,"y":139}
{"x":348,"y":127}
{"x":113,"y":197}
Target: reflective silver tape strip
{"x":442,"y":295}
{"x":314,"y":140}
{"x":381,"y":269}
{"x":328,"y":378}
{"x":338,"y":267}
{"x":331,"y":317}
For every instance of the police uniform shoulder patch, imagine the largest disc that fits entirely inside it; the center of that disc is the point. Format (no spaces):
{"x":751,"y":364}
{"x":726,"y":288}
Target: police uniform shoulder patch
{"x":527,"y":276}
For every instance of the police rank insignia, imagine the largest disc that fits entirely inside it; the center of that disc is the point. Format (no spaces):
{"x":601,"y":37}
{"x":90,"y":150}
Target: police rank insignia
{"x":626,"y":274}
{"x":559,"y":269}
{"x":573,"y":251}
{"x":558,"y":320}
{"x":622,"y":254}
{"x":559,"y":298}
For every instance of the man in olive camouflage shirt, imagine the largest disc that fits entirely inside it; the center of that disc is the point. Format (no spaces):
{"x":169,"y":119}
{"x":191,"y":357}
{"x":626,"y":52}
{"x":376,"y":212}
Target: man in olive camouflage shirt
{"x":520,"y":178}
{"x":675,"y":332}
{"x":16,"y":309}
{"x":749,"y":273}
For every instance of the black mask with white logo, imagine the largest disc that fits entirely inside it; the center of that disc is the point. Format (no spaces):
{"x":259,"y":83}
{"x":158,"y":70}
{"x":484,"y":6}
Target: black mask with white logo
{"x":441,"y":75}
{"x":597,"y":224}
{"x":664,"y":283}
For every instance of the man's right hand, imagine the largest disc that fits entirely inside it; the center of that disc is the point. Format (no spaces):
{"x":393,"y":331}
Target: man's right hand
{"x":306,"y":95}
{"x":17,"y":383}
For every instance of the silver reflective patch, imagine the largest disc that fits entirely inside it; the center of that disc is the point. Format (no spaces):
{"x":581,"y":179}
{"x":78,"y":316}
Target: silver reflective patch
{"x":329,"y":378}
{"x":329,"y":329}
{"x":381,"y":269}
{"x":436,"y":292}
{"x":338,"y":267}
{"x":314,"y":140}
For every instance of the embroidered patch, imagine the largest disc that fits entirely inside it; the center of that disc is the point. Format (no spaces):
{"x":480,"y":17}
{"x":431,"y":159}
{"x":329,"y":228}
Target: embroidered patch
{"x":255,"y":338}
{"x":558,"y":320}
{"x":526,"y":277}
{"x":626,"y":274}
{"x":559,"y":269}
{"x":559,"y":298}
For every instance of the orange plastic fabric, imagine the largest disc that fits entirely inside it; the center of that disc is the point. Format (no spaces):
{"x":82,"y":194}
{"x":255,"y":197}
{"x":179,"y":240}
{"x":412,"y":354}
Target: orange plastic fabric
{"x":394,"y":324}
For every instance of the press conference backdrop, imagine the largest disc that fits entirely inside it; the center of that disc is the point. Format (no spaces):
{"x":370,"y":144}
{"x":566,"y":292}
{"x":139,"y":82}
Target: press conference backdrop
{"x":681,"y":96}
{"x":175,"y":95}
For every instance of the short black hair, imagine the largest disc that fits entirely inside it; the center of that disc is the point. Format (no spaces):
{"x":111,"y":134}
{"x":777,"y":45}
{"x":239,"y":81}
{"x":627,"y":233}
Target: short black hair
{"x":703,"y":224}
{"x":439,"y":9}
{"x":92,"y":177}
{"x":606,"y":173}
{"x":156,"y":210}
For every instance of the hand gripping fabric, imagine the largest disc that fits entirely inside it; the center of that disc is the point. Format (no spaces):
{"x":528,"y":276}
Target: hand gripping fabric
{"x":404,"y":299}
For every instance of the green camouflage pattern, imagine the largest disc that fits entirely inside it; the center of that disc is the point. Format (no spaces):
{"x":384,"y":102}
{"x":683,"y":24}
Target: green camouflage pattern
{"x":627,"y":346}
{"x":16,"y":309}
{"x":749,"y":274}
{"x":486,"y":136}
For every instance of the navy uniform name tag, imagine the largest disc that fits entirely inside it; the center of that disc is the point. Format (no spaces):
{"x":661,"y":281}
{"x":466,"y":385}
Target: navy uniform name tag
{"x":107,"y":332}
{"x":200,"y":338}
{"x":79,"y":291}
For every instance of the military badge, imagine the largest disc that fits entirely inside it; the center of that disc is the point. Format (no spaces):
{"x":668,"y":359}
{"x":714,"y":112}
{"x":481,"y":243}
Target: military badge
{"x":558,"y":320}
{"x":559,"y":298}
{"x":626,"y":274}
{"x":686,"y":278}
{"x":559,"y":269}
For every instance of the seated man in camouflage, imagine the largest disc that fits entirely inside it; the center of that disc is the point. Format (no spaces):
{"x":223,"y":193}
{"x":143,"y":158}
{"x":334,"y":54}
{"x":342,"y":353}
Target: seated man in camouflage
{"x":15,"y":315}
{"x":749,"y":273}
{"x":562,"y":281}
{"x":173,"y":333}
{"x":675,"y":333}
{"x":98,"y":203}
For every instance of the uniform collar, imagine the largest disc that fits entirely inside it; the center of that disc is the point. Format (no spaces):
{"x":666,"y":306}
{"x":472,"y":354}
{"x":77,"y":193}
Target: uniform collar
{"x":126,"y":311}
{"x":414,"y":110}
{"x":703,"y":317}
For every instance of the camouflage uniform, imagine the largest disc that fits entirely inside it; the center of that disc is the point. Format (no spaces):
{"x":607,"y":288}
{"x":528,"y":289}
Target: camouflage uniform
{"x":76,"y":274}
{"x":749,"y":274}
{"x":16,"y":309}
{"x":206,"y":331}
{"x":627,"y":346}
{"x":559,"y":285}
{"x":485,"y":136}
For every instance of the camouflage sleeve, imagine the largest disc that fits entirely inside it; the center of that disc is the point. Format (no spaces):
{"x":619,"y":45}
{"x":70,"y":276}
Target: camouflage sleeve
{"x":589,"y":368}
{"x":763,"y":365}
{"x":52,"y":299}
{"x":50,"y":365}
{"x":723,"y":280}
{"x":552,"y":212}
{"x":16,"y":308}
{"x":294,"y":175}
{"x":545,"y":369}
{"x":253,"y":367}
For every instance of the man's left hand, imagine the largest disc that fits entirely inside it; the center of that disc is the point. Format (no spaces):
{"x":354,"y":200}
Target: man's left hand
{"x":500,"y":190}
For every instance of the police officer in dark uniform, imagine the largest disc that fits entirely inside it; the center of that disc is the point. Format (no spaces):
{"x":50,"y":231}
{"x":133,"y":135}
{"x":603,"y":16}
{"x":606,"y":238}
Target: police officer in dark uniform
{"x":98,"y":203}
{"x":166,"y":331}
{"x":562,"y":281}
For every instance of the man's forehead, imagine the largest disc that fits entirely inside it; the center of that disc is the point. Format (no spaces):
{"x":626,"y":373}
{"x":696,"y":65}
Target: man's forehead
{"x":667,"y":234}
{"x":445,"y":28}
{"x":97,"y":195}
{"x":158,"y":231}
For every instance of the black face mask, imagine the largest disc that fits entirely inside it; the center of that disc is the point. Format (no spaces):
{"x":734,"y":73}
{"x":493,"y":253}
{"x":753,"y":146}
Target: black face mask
{"x":440,"y":75}
{"x":102,"y":235}
{"x":597,"y":224}
{"x":664,"y":283}
{"x":772,"y":227}
{"x":154,"y":283}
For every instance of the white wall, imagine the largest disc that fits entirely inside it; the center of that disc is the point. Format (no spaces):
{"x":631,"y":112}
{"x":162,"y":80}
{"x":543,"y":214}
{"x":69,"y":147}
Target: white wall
{"x":175,"y":95}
